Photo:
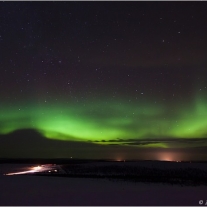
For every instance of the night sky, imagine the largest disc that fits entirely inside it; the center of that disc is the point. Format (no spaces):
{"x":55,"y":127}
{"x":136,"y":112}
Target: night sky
{"x":118,"y":80}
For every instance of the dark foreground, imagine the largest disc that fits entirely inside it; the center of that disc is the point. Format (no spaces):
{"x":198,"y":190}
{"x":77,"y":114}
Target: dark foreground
{"x":58,"y":191}
{"x":136,"y":172}
{"x":153,"y":183}
{"x":173,"y":173}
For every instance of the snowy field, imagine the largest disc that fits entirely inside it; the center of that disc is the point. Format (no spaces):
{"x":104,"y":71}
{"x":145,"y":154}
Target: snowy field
{"x":38,"y":190}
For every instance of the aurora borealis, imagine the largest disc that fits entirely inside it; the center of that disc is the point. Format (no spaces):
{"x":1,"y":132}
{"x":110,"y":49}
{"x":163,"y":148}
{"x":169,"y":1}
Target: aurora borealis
{"x":86,"y":121}
{"x":126,"y":76}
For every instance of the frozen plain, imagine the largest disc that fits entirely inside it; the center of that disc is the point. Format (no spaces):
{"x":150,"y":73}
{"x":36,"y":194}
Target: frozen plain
{"x":57,"y":191}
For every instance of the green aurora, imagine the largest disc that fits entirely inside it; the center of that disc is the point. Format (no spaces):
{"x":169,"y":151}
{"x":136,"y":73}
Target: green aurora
{"x":103,"y":80}
{"x":104,"y":121}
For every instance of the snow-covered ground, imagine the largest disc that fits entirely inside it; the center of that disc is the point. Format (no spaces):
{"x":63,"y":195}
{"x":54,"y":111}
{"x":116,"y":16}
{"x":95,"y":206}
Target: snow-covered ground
{"x":38,"y":190}
{"x":29,"y":190}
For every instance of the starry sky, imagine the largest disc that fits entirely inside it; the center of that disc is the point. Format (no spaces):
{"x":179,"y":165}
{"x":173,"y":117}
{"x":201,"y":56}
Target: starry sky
{"x":118,"y":80}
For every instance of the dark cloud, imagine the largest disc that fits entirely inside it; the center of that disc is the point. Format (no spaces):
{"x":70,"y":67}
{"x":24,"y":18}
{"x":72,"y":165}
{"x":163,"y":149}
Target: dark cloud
{"x":170,"y":142}
{"x":29,"y":143}
{"x":141,"y":143}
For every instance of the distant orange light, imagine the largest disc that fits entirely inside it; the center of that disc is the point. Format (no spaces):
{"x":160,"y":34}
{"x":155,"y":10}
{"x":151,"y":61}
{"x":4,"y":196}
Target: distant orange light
{"x":118,"y":160}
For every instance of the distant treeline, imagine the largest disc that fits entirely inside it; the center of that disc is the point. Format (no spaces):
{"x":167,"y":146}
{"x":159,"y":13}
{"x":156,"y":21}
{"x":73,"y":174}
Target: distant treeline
{"x":72,"y":160}
{"x":181,"y":176}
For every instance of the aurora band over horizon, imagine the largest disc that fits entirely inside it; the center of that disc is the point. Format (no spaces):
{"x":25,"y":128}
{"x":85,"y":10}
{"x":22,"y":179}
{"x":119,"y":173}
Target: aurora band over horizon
{"x":100,"y":121}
